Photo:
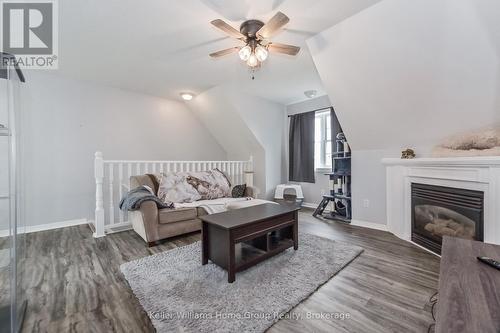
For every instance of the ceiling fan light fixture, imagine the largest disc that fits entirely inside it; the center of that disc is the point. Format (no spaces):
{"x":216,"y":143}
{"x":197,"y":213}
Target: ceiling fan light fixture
{"x":256,"y":36}
{"x":252,"y":60}
{"x":261,"y":53}
{"x":245,"y":52}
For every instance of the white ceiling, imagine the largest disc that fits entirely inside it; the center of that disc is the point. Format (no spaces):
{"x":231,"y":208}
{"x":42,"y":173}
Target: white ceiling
{"x":161,"y":47}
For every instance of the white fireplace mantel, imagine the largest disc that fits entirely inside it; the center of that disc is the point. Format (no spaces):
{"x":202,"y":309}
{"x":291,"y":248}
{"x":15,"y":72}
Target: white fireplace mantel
{"x":474,"y":173}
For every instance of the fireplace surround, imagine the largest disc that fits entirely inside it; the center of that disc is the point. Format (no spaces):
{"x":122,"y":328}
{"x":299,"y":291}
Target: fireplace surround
{"x":439,"y":211}
{"x":480,"y":174}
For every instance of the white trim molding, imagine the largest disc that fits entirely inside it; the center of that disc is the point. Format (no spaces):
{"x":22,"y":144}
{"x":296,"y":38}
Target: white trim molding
{"x":309,"y":205}
{"x":48,"y":226}
{"x":370,"y":225}
{"x":473,"y":173}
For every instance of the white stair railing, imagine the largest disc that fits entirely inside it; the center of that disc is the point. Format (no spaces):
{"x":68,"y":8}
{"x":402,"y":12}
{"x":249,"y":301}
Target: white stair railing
{"x":112,"y":180}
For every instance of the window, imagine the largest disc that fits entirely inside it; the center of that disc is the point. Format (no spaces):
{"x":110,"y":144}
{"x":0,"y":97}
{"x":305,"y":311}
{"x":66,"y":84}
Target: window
{"x":323,"y":141}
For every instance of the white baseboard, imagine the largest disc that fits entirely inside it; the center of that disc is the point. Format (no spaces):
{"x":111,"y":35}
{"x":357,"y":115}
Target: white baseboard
{"x":371,"y":225}
{"x":47,"y":226}
{"x":309,"y":205}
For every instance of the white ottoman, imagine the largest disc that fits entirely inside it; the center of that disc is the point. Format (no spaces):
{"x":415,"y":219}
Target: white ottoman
{"x":280,"y":190}
{"x":246,"y":203}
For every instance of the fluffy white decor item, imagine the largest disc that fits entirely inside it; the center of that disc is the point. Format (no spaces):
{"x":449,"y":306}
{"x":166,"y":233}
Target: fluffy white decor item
{"x":482,"y":142}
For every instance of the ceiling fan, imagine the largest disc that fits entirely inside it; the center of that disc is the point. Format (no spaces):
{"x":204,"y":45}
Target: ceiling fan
{"x":255,"y":34}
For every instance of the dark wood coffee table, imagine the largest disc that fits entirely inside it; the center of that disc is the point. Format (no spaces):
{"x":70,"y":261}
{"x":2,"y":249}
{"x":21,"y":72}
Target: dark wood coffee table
{"x":238,"y":239}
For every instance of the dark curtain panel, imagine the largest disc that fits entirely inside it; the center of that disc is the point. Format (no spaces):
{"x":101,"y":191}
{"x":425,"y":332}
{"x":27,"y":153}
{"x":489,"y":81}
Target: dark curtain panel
{"x":301,"y":148}
{"x":336,"y":128}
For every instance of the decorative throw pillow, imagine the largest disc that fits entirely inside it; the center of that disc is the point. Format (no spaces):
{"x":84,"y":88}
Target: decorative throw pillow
{"x":212,"y":184}
{"x":238,"y":191}
{"x":174,"y":188}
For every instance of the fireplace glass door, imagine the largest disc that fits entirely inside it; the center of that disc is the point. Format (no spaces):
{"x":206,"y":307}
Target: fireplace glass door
{"x":444,"y":211}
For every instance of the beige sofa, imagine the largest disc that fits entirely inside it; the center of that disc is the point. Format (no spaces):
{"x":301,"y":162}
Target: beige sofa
{"x":154,"y":224}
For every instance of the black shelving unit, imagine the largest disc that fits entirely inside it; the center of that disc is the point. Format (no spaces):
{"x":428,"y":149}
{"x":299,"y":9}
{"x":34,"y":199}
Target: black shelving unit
{"x":341,"y":191}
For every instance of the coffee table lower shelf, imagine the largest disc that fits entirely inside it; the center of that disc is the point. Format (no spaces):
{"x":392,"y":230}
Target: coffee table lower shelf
{"x":250,"y":255}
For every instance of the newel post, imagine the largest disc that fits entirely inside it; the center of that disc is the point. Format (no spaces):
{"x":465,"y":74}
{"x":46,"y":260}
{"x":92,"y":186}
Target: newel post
{"x":249,"y":172}
{"x":99,"y":195}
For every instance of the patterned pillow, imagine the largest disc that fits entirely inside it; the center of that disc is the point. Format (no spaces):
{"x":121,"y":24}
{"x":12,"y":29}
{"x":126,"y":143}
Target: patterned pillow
{"x":212,"y":184}
{"x":239,"y":191}
{"x":174,"y":188}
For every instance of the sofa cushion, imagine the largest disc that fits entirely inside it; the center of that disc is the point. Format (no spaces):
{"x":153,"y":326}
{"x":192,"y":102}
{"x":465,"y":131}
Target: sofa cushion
{"x":176,"y":215}
{"x":238,"y":191}
{"x":175,"y":188}
{"x":136,"y":181}
{"x":211,"y":184}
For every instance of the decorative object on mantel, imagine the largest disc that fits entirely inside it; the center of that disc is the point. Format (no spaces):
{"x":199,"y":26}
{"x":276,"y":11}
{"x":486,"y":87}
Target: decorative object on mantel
{"x":482,"y":142}
{"x":408,"y":154}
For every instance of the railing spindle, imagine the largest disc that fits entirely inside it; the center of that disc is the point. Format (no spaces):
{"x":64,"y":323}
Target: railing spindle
{"x":111,"y":195}
{"x":129,"y":173}
{"x":120,"y":188}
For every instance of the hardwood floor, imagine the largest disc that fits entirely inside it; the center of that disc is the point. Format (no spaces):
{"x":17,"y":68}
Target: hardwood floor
{"x":74,"y":284}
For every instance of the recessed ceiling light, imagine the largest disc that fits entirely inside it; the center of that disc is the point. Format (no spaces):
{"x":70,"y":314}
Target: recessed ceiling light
{"x":187,"y":96}
{"x":310,"y":93}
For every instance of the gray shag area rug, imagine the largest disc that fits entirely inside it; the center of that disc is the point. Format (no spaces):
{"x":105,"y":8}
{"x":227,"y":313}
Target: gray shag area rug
{"x":181,"y":295}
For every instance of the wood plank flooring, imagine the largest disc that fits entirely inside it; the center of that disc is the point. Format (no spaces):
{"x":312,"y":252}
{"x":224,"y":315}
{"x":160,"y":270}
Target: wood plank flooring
{"x":74,"y":284}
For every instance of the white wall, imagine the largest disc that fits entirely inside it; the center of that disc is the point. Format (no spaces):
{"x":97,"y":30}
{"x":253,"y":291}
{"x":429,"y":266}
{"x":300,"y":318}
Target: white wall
{"x":68,"y":120}
{"x":312,"y":191}
{"x":403,"y":67}
{"x":407,"y":73}
{"x":266,"y":120}
{"x":246,"y":125}
{"x":218,"y":114}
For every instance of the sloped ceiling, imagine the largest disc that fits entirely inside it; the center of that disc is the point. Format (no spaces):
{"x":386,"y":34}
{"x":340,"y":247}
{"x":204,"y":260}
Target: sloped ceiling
{"x":409,"y":73}
{"x":161,"y":47}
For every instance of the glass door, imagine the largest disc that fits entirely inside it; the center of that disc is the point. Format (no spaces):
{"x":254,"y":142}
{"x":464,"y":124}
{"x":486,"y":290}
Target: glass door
{"x":12,"y":243}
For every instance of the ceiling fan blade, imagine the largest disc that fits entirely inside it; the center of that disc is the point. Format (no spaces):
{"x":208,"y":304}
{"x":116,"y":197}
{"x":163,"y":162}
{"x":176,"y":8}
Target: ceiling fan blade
{"x":222,"y":53}
{"x":284,"y":48}
{"x":274,"y":24}
{"x":227,"y":29}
